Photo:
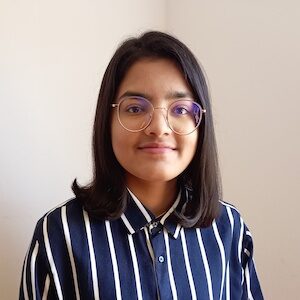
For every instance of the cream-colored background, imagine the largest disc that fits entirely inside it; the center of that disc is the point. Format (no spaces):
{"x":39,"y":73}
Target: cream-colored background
{"x":52,"y":57}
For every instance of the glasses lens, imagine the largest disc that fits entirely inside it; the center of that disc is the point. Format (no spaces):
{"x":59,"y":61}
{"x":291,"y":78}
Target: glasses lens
{"x":184,"y":116}
{"x":135,"y":113}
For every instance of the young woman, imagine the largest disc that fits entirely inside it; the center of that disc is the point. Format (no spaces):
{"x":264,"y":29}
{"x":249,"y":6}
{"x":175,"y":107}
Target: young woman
{"x":151,"y":225}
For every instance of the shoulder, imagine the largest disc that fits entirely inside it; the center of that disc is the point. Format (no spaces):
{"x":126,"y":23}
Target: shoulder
{"x":229,"y":211}
{"x":55,"y":217}
{"x":228,"y":207}
{"x":231,"y":227}
{"x":72,"y":204}
{"x":231,"y":218}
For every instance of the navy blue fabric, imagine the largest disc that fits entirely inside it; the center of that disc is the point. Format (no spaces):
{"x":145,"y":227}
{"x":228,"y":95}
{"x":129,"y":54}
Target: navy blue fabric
{"x":76,"y":256}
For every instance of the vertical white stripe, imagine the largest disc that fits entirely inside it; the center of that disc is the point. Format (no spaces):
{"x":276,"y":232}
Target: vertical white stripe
{"x":25,"y":291}
{"x":187,"y":265}
{"x":46,"y":287}
{"x":229,"y":205}
{"x":247,"y":275}
{"x":69,"y":246}
{"x":49,"y":255}
{"x":240,"y":240}
{"x":32,"y":268}
{"x":128,"y":225}
{"x":247,"y":252}
{"x":149,"y":246}
{"x":177,"y":230}
{"x":206,"y":265}
{"x":51,"y":261}
{"x":171,"y":276}
{"x":114,"y":260}
{"x":140,"y":206}
{"x":171,"y":209}
{"x":231,"y":219}
{"x":227,"y":283}
{"x":222,"y":252}
{"x":135,"y":267}
{"x":240,"y":247}
{"x":92,"y":255}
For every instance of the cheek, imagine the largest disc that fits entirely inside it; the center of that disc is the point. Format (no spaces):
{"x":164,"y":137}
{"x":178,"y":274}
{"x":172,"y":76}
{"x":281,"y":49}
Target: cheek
{"x":117,"y":139}
{"x":116,"y":136}
{"x":189,"y":145}
{"x":122,"y":142}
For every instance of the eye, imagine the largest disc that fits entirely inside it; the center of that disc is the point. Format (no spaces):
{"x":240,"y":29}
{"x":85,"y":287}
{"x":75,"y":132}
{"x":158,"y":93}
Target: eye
{"x":134,"y":109}
{"x":134,"y":106}
{"x":180,"y":110}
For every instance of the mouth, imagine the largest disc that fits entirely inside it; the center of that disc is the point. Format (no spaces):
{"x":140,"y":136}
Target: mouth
{"x":156,"y":148}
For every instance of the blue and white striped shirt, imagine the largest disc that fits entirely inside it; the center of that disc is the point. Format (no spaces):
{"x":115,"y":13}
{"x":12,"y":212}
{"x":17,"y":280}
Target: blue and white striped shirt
{"x":76,"y":256}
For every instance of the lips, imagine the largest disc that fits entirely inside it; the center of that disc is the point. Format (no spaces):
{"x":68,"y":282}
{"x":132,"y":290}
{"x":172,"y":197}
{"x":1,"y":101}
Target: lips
{"x":156,"y":148}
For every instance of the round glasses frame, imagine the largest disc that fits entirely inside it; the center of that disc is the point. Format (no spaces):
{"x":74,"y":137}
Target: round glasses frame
{"x":117,"y":105}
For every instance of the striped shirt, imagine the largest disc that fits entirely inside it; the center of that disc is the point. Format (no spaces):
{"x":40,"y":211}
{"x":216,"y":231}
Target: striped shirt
{"x":76,"y":256}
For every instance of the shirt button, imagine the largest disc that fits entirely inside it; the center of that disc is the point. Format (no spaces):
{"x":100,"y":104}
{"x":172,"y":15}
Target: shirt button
{"x":154,"y":224}
{"x":161,"y":259}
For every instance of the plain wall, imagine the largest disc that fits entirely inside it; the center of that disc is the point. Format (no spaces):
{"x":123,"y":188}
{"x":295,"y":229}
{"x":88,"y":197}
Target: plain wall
{"x":52,"y":57}
{"x":251,"y":53}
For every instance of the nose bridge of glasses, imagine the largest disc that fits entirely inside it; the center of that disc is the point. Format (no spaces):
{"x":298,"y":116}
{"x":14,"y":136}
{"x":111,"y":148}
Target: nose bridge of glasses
{"x":164,"y":112}
{"x":156,"y":122}
{"x":161,"y":108}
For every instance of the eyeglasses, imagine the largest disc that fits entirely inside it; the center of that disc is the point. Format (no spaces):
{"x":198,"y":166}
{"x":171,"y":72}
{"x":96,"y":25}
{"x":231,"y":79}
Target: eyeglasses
{"x":182,"y":116}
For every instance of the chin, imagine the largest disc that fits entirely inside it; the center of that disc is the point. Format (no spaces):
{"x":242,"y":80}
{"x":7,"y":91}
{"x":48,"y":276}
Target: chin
{"x":157,"y":179}
{"x":152,"y":176}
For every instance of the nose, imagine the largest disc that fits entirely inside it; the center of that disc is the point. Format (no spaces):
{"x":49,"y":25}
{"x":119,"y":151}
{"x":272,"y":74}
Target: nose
{"x":159,"y":124}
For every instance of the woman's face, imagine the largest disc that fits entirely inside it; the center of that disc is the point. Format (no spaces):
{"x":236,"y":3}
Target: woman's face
{"x":156,"y":153}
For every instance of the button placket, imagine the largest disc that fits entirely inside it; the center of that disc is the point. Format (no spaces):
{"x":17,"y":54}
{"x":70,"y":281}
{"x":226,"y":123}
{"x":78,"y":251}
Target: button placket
{"x":159,"y":251}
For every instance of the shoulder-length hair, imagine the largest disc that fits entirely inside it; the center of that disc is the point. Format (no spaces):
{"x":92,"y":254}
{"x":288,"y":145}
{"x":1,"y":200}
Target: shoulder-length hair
{"x":106,"y":196}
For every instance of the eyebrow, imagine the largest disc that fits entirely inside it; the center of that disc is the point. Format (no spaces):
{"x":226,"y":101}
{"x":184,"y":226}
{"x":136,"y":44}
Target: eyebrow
{"x":170,"y":95}
{"x":132,"y":93}
{"x":179,"y":94}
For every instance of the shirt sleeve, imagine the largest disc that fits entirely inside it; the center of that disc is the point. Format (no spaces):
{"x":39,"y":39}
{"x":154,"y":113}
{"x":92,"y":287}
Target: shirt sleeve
{"x":36,"y":275}
{"x":251,"y":286}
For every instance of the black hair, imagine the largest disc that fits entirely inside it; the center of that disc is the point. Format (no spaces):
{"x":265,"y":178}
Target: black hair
{"x":106,"y":196}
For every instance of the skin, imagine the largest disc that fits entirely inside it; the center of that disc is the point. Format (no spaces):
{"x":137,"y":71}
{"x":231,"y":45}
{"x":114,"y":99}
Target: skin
{"x":153,"y":158}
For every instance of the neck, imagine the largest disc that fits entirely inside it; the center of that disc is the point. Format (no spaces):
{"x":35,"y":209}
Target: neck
{"x":158,"y":197}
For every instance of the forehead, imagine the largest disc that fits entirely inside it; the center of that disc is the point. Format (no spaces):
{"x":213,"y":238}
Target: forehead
{"x":154,"y":77}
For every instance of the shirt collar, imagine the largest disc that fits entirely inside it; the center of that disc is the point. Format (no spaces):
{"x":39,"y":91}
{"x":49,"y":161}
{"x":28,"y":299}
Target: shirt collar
{"x":137,"y":216}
